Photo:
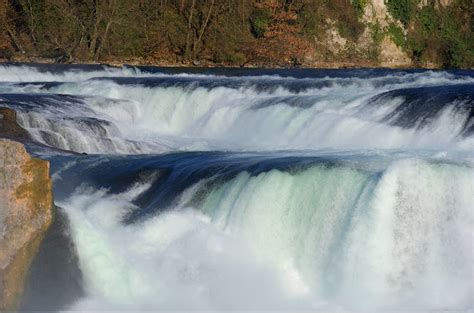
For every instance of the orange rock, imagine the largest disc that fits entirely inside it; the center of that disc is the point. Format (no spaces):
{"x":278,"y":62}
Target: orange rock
{"x":26,"y":211}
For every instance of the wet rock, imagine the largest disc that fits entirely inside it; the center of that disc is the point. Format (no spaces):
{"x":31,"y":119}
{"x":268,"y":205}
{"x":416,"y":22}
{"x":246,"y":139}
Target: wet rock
{"x":9,"y":127}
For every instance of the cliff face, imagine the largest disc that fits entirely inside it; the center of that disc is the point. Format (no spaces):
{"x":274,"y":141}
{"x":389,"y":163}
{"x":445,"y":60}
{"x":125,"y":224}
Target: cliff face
{"x":390,"y":54}
{"x":25,"y":215}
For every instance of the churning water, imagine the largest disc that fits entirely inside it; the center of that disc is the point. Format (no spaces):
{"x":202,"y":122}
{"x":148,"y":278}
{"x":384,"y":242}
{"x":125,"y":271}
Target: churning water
{"x":329,"y":190}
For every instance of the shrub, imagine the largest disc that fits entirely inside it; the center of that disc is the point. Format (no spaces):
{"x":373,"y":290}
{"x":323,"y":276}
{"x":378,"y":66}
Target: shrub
{"x":402,"y":10}
{"x":429,"y":19}
{"x":236,"y":58}
{"x":359,"y":6}
{"x":459,"y":43}
{"x":396,"y":34}
{"x":377,"y":37}
{"x":259,"y":21}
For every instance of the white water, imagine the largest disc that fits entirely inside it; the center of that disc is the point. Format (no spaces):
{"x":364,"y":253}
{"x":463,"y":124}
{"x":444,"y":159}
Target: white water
{"x":327,"y":238}
{"x":30,"y":74}
{"x":224,"y":118}
{"x":156,"y":119}
{"x":393,"y":235}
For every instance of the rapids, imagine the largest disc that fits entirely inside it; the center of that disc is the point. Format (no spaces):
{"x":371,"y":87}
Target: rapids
{"x":240,"y":189}
{"x":134,"y":112}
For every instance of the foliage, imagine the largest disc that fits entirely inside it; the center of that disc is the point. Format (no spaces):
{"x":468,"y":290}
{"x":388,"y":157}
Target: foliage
{"x":259,"y":21}
{"x":459,"y":45}
{"x":396,"y":33}
{"x":429,"y":19}
{"x":443,"y":35}
{"x":346,"y":19}
{"x":359,"y":6}
{"x":236,"y":58}
{"x":377,"y":37}
{"x":229,"y":32}
{"x":402,"y":10}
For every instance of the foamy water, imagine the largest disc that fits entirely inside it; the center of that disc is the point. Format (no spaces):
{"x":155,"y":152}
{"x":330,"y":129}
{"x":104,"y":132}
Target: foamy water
{"x":337,"y":191}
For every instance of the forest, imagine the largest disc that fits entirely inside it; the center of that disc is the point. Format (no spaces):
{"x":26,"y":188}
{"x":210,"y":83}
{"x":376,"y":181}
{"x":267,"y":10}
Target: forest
{"x":234,"y":32}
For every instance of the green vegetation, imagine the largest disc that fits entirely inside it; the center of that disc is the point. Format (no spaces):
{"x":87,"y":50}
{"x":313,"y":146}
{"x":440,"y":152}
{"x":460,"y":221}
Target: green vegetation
{"x":402,"y":10}
{"x":315,"y":16}
{"x":260,"y":20}
{"x":359,"y":6}
{"x":396,"y":33}
{"x":264,"y":32}
{"x":443,"y":35}
{"x":377,"y":37}
{"x":347,"y":21}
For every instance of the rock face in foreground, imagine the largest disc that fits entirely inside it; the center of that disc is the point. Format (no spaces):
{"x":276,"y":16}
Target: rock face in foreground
{"x":26,"y":211}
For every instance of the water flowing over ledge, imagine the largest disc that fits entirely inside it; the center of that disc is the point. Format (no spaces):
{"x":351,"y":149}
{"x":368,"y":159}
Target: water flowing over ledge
{"x":245,"y":190}
{"x":309,"y":231}
{"x":131,"y":112}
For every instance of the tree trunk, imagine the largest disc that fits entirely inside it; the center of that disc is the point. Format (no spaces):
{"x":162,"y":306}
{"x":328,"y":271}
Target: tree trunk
{"x":187,"y":51}
{"x":113,"y":9}
{"x":15,"y":43}
{"x":201,"y":32}
{"x":95,"y":32}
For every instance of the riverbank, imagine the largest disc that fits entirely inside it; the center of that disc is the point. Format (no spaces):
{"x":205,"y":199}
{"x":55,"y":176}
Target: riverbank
{"x":116,"y":62}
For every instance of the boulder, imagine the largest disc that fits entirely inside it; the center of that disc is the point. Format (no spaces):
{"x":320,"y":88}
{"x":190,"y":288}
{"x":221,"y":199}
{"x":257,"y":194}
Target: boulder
{"x":26,"y":211}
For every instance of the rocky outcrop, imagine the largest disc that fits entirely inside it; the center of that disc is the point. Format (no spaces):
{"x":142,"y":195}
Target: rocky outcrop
{"x":374,"y":46}
{"x":376,"y":12}
{"x":26,"y":209}
{"x":438,"y":3}
{"x":335,"y":42}
{"x":9,"y":127}
{"x":391,"y":55}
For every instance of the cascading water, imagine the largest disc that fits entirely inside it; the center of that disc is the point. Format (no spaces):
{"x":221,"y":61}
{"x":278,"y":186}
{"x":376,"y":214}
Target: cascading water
{"x":311,"y":233}
{"x":143,"y":113}
{"x":333,"y":190}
